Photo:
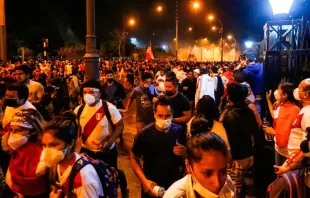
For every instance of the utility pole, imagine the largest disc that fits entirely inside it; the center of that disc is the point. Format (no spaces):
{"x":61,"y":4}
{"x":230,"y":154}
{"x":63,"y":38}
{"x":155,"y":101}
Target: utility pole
{"x":91,"y":57}
{"x":3,"y":49}
{"x":176,"y":29}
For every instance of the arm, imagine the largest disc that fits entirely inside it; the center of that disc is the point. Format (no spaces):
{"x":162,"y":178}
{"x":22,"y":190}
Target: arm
{"x":116,"y":134}
{"x":185,"y":118}
{"x":270,"y":106}
{"x":40,"y":92}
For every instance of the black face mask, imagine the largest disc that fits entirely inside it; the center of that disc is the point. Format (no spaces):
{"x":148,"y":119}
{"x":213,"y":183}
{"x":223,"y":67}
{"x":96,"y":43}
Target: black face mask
{"x":11,"y":102}
{"x":110,"y":80}
{"x":170,"y":93}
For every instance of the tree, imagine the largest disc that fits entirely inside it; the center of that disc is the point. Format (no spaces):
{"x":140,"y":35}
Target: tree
{"x":120,"y":37}
{"x":27,"y":52}
{"x":109,"y":48}
{"x":72,"y":51}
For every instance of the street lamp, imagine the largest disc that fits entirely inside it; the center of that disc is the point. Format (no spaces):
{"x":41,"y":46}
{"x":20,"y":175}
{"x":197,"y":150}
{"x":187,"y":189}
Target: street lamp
{"x":196,"y":5}
{"x":91,"y":57}
{"x":248,"y":44}
{"x":281,"y":6}
{"x":221,"y":31}
{"x":159,"y":9}
{"x":190,"y":29}
{"x":132,"y":22}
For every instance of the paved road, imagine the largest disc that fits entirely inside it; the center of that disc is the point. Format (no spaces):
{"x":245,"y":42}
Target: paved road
{"x":123,"y":158}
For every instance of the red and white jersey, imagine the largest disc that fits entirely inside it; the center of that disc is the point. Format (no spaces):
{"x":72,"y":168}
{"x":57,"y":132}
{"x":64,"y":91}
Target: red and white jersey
{"x":101,"y":130}
{"x":86,"y":183}
{"x":9,"y":112}
{"x":298,"y":132}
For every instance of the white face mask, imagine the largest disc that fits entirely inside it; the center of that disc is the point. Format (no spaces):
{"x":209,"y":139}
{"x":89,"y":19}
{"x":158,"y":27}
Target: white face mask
{"x":53,"y":156}
{"x":276,"y":95}
{"x":296,"y":94}
{"x":163,"y":124}
{"x":89,"y":99}
{"x":202,"y":191}
{"x":16,"y":141}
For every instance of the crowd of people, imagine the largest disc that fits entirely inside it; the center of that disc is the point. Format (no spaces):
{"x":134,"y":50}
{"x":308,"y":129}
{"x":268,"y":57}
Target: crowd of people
{"x":202,"y":130}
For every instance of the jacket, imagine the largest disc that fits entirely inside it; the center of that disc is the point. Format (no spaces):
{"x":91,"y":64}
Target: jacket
{"x":240,"y":124}
{"x":254,"y":75}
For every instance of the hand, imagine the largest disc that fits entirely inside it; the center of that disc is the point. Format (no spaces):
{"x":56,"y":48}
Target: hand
{"x":155,"y":100}
{"x":56,"y":194}
{"x":268,"y":95}
{"x":106,"y":146}
{"x":179,"y":149}
{"x":123,"y":110}
{"x":185,"y":88}
{"x":269,"y":130}
{"x":148,"y":187}
{"x":281,"y":169}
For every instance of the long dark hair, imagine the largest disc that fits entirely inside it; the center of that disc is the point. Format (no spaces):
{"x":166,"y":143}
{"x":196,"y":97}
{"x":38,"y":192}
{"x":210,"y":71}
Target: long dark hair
{"x":207,"y":108}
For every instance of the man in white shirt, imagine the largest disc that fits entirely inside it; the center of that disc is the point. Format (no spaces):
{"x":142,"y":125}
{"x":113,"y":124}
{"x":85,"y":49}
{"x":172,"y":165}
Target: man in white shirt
{"x":205,"y":85}
{"x":36,"y":90}
{"x":15,"y":99}
{"x":98,"y":141}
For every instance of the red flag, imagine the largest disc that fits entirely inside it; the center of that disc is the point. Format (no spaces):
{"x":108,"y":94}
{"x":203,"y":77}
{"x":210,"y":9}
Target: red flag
{"x":149,"y":52}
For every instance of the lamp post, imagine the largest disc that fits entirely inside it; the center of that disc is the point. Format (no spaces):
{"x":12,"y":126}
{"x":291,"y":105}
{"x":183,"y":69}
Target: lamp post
{"x":91,"y":57}
{"x":221,"y":31}
{"x":230,"y":37}
{"x":176,"y":29}
{"x":3,"y":49}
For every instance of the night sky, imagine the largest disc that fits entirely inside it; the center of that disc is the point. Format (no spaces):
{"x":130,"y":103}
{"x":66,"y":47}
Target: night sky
{"x":64,"y":20}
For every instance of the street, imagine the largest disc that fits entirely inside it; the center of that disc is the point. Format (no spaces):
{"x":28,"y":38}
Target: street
{"x":123,"y":158}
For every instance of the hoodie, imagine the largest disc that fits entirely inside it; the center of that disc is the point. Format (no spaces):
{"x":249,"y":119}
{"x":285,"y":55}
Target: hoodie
{"x":254,"y":75}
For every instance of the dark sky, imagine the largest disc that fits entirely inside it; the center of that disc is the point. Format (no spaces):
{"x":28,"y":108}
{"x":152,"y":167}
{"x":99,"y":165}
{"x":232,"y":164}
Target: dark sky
{"x":63,"y":20}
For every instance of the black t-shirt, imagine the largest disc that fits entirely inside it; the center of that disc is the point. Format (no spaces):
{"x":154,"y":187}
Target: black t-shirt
{"x":161,"y":165}
{"x":190,"y":92}
{"x":179,"y":104}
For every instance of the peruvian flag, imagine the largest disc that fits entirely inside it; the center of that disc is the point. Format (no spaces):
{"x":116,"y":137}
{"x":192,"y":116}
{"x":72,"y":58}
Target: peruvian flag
{"x":149,"y":52}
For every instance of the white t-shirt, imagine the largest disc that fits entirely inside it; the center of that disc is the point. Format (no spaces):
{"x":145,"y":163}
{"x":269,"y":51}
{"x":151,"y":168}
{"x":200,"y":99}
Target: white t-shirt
{"x":101,"y":131}
{"x":86,"y":183}
{"x":298,"y":132}
{"x":36,"y":90}
{"x":205,"y":86}
{"x":9,"y":112}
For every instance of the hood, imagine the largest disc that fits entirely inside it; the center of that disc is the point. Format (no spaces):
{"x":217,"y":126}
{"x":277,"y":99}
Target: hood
{"x":255,"y":68}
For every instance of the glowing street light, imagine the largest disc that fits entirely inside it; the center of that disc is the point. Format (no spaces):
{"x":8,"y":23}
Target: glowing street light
{"x":214,"y":28}
{"x":281,"y":6}
{"x":175,"y":39}
{"x":229,"y":37}
{"x":248,"y":44}
{"x":132,"y":22}
{"x":164,"y":47}
{"x":196,"y":5}
{"x":190,"y":29}
{"x":211,"y":17}
{"x":159,"y":8}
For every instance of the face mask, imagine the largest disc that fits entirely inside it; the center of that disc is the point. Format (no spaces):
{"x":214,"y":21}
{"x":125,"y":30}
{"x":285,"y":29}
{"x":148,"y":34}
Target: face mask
{"x":16,"y":141}
{"x":163,"y":124}
{"x":276,"y":95}
{"x":200,"y":189}
{"x":11,"y":102}
{"x":170,"y":93}
{"x":296,"y":94}
{"x":110,"y":80}
{"x":52,"y":156}
{"x":89,"y":99}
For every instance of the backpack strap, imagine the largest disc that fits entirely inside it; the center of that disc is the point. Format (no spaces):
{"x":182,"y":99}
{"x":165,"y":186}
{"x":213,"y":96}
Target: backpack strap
{"x":291,"y":179}
{"x":78,"y":115}
{"x":78,"y":165}
{"x":107,"y":113}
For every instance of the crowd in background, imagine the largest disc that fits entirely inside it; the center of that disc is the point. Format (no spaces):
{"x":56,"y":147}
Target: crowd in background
{"x":202,"y":130}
